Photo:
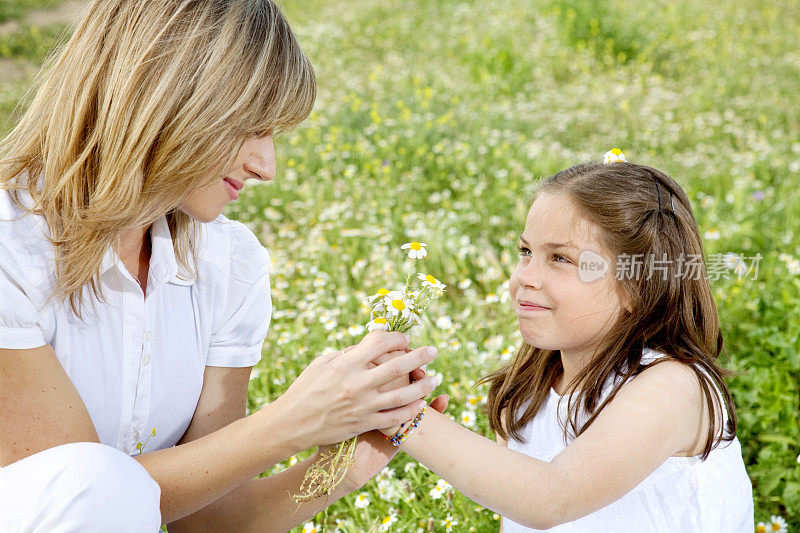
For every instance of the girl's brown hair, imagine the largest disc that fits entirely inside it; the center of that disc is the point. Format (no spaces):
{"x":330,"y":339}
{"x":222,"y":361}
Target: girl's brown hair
{"x":642,"y":213}
{"x":148,"y":101}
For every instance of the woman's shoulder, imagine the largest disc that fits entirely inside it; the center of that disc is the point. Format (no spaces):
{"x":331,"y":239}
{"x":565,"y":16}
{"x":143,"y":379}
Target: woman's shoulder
{"x":26,"y":253}
{"x":232,"y":247}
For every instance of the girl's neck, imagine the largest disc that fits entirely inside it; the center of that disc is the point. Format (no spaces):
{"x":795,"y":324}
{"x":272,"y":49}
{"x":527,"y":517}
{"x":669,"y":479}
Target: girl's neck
{"x":572,"y":363}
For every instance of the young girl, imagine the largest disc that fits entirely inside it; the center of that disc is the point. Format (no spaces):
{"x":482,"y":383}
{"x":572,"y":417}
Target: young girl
{"x":613,"y":415}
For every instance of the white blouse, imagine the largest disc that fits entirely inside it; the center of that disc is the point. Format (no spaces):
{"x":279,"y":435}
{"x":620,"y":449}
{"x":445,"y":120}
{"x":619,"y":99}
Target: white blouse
{"x":138,"y":362}
{"x":683,"y":494}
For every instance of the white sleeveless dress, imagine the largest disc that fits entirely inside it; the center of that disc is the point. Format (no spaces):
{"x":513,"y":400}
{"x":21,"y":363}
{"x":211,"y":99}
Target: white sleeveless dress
{"x":683,"y":495}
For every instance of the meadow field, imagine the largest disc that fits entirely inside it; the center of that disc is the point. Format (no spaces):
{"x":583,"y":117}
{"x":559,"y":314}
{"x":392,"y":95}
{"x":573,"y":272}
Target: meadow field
{"x":433,"y":119}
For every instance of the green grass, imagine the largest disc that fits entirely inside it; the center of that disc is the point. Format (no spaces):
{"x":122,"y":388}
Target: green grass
{"x":17,"y":9}
{"x":432,"y":121}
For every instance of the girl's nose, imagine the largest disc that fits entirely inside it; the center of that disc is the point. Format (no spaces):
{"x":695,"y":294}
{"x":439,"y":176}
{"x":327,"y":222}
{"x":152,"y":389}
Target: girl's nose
{"x":261,"y":157}
{"x":530,"y":274}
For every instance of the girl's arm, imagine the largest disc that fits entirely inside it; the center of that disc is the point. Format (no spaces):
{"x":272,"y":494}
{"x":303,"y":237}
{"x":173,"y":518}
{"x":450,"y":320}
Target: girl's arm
{"x":653,"y":417}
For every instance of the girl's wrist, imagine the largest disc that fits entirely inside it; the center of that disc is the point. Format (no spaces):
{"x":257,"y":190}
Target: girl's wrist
{"x":406,"y":429}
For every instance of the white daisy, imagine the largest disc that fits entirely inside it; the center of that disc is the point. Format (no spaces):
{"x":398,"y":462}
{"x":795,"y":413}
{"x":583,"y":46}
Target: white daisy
{"x":614,"y":155}
{"x":449,"y":522}
{"x":468,"y":418}
{"x":397,"y":305}
{"x":380,"y":294}
{"x":362,"y":500}
{"x":310,"y":527}
{"x":387,"y":522}
{"x":778,"y":524}
{"x":416,"y":250}
{"x":378,"y":323}
{"x":430,"y":281}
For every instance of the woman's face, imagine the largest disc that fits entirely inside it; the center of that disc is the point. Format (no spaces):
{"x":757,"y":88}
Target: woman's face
{"x":559,"y":306}
{"x":256,"y":159}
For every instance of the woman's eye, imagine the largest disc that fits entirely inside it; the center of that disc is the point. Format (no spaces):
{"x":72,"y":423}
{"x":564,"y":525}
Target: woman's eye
{"x":524,"y":252}
{"x":558,"y":258}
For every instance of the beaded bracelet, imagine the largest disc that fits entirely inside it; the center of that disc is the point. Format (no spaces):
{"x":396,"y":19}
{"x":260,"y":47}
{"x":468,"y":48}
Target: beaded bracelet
{"x":401,"y":434}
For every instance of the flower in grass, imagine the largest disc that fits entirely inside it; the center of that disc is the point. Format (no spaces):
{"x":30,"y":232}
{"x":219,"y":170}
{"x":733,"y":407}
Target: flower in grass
{"x":430,"y":281}
{"x":378,"y":323}
{"x":449,"y":522}
{"x":362,"y":500}
{"x":416,"y":250}
{"x":387,"y":521}
{"x":474,"y":400}
{"x":468,"y":418}
{"x":444,"y":485}
{"x":777,"y":524}
{"x":310,"y":527}
{"x":436,"y":492}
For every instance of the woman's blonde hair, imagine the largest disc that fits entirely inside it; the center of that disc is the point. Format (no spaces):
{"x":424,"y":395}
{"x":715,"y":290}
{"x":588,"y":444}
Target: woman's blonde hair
{"x":644,"y":213}
{"x":146,"y":102}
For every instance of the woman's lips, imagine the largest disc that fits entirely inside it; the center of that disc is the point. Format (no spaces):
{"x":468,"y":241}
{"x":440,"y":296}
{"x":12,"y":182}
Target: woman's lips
{"x":523,"y":305}
{"x":232,"y":191}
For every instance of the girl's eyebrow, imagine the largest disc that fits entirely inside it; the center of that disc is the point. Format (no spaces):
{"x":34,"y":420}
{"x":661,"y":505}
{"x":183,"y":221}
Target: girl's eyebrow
{"x":551,"y":245}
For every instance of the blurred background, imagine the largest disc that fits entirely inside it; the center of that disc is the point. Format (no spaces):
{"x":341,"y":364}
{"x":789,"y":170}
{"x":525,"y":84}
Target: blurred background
{"x":432,"y":121}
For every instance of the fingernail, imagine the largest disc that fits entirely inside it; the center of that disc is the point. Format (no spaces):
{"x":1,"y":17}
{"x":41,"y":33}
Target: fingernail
{"x":421,"y":404}
{"x":407,"y":336}
{"x":432,"y":351}
{"x":435,"y":380}
{"x":424,"y":368}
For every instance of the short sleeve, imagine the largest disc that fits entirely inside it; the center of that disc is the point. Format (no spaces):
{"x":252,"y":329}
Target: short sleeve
{"x":19,"y":319}
{"x":238,"y":335}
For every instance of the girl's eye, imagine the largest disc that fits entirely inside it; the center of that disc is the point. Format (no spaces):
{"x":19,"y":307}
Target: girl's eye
{"x":558,"y":258}
{"x":524,"y":252}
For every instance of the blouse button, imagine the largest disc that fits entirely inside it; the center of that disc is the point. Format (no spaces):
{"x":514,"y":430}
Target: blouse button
{"x":148,"y":335}
{"x":146,"y":359}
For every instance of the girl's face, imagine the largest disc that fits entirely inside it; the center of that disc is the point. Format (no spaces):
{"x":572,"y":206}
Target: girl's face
{"x":256,"y":159}
{"x":556,"y":309}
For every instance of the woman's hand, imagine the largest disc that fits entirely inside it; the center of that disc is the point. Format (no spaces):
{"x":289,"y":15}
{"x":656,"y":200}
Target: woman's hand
{"x":343,"y":394}
{"x":373,"y":453}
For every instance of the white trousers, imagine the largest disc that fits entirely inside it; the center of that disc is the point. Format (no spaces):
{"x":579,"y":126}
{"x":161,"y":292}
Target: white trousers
{"x":79,"y":487}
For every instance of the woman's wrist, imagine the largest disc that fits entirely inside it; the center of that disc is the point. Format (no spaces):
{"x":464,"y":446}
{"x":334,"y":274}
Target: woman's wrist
{"x":294,"y":433}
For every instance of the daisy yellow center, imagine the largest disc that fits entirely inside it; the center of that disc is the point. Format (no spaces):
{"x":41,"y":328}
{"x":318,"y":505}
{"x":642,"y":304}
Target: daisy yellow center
{"x":398,"y":304}
{"x":761,"y":529}
{"x":776,"y":527}
{"x":416,"y":246}
{"x":383,"y":292}
{"x":616,"y":151}
{"x":387,"y":519}
{"x":380,"y":320}
{"x":430,"y":279}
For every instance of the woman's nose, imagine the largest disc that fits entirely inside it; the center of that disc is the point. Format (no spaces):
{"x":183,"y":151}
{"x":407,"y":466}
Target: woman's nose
{"x":261,"y":157}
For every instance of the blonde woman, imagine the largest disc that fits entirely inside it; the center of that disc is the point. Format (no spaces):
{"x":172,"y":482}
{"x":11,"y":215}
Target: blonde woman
{"x":128,"y":302}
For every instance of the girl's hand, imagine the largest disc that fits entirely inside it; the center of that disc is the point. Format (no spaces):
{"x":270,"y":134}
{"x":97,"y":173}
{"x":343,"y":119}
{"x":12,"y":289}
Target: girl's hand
{"x":341,"y":394}
{"x":414,"y":375}
{"x":373,"y":453}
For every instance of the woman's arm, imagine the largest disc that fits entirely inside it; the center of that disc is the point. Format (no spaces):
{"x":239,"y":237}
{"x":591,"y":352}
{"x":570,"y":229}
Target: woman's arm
{"x":335,"y":397}
{"x":651,"y":418}
{"x":40,"y":406}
